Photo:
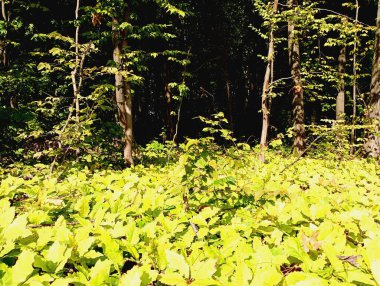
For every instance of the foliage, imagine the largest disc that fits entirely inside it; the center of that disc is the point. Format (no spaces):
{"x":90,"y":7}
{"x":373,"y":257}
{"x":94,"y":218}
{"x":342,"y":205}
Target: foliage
{"x":247,"y":223}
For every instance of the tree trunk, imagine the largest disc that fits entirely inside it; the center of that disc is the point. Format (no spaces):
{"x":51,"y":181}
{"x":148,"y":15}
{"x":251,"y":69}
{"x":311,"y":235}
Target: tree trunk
{"x":4,"y":42}
{"x":228,"y":89}
{"x":170,"y":124}
{"x":74,"y":73}
{"x":341,"y":85}
{"x":298,"y":100}
{"x":123,"y":94}
{"x":265,"y":100}
{"x":355,"y":80}
{"x":372,"y":146}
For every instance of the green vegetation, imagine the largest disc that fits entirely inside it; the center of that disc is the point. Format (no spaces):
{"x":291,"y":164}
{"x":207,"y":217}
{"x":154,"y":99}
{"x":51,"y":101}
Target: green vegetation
{"x":189,"y":142}
{"x":216,"y":217}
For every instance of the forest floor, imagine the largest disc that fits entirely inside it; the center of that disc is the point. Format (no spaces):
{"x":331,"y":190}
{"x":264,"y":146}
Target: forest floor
{"x":212,"y":219}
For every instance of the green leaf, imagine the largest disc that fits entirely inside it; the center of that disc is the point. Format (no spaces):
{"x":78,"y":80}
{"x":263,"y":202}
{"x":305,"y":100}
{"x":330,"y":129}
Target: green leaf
{"x":99,"y":273}
{"x":20,"y":272}
{"x":173,"y":279}
{"x":373,"y":253}
{"x":177,"y":262}
{"x":304,"y":279}
{"x":17,"y":228}
{"x":204,"y":269}
{"x":131,"y":278}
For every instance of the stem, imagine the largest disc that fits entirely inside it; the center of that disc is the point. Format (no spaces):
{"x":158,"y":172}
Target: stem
{"x":75,"y":71}
{"x":267,"y":88}
{"x":4,"y":44}
{"x":354,"y":84}
{"x":3,"y":13}
{"x":175,"y":137}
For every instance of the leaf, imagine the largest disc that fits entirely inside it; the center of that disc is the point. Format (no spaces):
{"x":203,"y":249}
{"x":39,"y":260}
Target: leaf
{"x":174,"y":279}
{"x":304,"y":279}
{"x":58,"y":254}
{"x":131,"y":278}
{"x":21,"y":270}
{"x":7,"y":213}
{"x":352,"y":259}
{"x":177,"y":262}
{"x":204,"y":269}
{"x":244,"y":274}
{"x":269,"y":276}
{"x":311,"y":243}
{"x":373,"y":253}
{"x":82,"y":206}
{"x":44,"y":66}
{"x":17,"y":228}
{"x":61,"y":282}
{"x":84,"y":245}
{"x":99,"y":273}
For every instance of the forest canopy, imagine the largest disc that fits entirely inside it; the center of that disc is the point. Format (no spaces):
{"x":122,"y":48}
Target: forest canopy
{"x":102,"y":78}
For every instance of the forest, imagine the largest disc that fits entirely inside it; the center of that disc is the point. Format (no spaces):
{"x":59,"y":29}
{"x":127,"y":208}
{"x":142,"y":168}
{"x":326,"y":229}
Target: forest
{"x":189,"y":142}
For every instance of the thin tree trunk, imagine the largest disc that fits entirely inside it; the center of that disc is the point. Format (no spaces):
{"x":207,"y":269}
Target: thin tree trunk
{"x":228,"y":89}
{"x":298,"y":99}
{"x":4,"y":43}
{"x":354,"y":84}
{"x":77,"y":62}
{"x":340,"y":102}
{"x":267,"y":88}
{"x":372,"y":147}
{"x":170,"y":124}
{"x":123,"y":94}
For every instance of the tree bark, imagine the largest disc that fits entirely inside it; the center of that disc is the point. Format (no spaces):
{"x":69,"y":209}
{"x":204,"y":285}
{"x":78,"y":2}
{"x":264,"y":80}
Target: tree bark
{"x":170,"y":124}
{"x":123,"y":94}
{"x":4,"y":42}
{"x":265,"y":100}
{"x":298,"y":99}
{"x":372,"y":146}
{"x":355,"y":80}
{"x":74,"y":73}
{"x":340,"y":100}
{"x":228,"y":89}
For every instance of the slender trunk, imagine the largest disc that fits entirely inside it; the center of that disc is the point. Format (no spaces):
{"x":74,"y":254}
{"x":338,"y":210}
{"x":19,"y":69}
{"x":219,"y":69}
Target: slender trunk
{"x":77,"y":62}
{"x":298,"y":100}
{"x":4,"y":42}
{"x":372,"y":147}
{"x":354,"y":84}
{"x":341,"y":85}
{"x":123,"y":94}
{"x":229,"y":100}
{"x":228,"y":89}
{"x":266,"y":101}
{"x":170,"y":124}
{"x":4,"y":48}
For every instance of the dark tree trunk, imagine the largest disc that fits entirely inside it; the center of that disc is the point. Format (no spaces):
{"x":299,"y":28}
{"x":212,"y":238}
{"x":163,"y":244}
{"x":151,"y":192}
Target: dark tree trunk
{"x":4,"y":42}
{"x":298,"y":100}
{"x":123,"y":94}
{"x":372,"y":146}
{"x":170,"y":119}
{"x":227,"y":81}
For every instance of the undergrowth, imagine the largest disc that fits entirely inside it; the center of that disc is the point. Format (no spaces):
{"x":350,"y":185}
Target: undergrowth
{"x":202,"y":215}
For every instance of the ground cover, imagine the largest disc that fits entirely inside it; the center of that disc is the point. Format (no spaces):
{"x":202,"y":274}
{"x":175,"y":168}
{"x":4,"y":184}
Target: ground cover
{"x":211,"y":217}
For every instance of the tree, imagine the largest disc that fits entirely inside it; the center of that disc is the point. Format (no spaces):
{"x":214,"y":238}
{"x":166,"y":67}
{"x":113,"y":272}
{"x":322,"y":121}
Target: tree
{"x":355,"y":79}
{"x":297,"y":89}
{"x":372,"y":146}
{"x":267,"y":87}
{"x":340,"y":100}
{"x":123,"y":92}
